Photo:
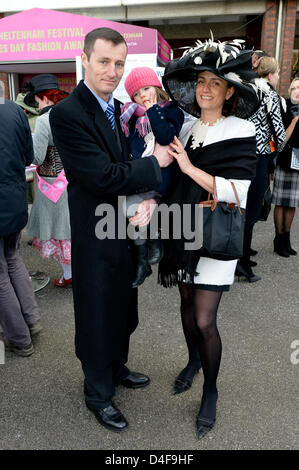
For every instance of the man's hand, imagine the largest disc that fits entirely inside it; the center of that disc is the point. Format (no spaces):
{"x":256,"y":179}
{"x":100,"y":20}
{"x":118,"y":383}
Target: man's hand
{"x":144,"y":213}
{"x":162,"y":155}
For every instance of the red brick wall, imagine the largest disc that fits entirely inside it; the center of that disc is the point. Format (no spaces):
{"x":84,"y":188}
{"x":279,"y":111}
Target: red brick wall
{"x":269,"y":27}
{"x":288,"y":46}
{"x":268,"y":40}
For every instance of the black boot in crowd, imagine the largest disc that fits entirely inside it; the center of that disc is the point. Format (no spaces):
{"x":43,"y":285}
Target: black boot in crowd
{"x":143,"y":268}
{"x":279,"y":245}
{"x":288,"y":244}
{"x":155,"y":250}
{"x":150,"y":252}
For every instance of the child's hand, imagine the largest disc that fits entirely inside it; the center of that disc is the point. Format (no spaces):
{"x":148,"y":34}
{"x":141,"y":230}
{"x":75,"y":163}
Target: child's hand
{"x":144,"y":213}
{"x":151,"y":100}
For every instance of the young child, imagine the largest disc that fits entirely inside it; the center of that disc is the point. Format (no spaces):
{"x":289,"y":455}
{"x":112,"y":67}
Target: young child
{"x":149,"y":118}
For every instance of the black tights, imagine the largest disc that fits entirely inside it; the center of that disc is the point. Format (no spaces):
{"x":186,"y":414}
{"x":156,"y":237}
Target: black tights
{"x":199,"y":319}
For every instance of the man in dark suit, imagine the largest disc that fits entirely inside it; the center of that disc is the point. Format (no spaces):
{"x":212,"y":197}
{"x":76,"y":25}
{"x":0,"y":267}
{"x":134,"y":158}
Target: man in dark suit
{"x":95,"y":157}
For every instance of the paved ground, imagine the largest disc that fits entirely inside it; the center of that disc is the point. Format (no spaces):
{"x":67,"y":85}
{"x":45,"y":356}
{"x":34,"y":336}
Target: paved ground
{"x":41,"y":396}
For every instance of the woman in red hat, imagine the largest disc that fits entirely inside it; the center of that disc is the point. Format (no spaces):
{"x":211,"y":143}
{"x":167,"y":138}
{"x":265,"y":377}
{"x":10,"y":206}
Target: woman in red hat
{"x":49,"y":224}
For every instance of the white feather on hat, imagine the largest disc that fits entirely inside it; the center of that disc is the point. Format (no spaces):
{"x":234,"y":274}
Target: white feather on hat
{"x":210,"y":45}
{"x":232,"y":76}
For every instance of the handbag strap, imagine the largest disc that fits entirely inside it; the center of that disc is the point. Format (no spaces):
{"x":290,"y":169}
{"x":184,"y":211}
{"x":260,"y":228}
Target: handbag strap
{"x":237,"y":197}
{"x":213,"y":202}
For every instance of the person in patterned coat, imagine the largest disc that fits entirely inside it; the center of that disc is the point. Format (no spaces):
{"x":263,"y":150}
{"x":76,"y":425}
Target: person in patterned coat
{"x":270,"y":138}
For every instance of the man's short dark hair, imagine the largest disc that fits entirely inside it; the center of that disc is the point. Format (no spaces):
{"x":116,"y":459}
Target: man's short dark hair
{"x":107,"y":34}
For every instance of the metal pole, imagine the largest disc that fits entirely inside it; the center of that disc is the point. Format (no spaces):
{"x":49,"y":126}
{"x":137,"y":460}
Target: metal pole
{"x":279,"y":31}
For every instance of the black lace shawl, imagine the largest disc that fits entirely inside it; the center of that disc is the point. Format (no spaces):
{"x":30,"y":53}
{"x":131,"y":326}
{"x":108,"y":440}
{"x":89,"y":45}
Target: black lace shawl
{"x":232,"y":158}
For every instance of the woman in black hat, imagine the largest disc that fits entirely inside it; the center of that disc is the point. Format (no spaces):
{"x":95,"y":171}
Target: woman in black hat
{"x":49,"y":224}
{"x":220,"y":144}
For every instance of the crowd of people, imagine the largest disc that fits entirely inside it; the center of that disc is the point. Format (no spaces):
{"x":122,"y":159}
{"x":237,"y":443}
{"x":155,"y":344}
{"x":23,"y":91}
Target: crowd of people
{"x":218,"y":127}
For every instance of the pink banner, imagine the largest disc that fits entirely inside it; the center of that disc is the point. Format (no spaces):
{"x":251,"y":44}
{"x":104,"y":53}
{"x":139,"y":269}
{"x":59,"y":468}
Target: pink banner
{"x":40,"y":34}
{"x":164,"y":49}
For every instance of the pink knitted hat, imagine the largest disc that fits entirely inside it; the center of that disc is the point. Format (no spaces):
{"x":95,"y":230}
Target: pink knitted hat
{"x":141,"y":77}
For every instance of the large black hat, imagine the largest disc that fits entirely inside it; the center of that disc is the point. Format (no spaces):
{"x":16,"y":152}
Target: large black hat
{"x":42,"y":82}
{"x":226,"y":60}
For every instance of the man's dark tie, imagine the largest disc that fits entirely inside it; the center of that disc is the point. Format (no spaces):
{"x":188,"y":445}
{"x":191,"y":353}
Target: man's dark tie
{"x":110,"y":115}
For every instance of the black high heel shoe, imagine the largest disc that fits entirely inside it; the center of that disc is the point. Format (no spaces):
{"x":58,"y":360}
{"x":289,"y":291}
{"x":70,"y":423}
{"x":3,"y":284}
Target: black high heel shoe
{"x":247,"y":272}
{"x":185,"y":378}
{"x":206,"y":417}
{"x":203,"y":426}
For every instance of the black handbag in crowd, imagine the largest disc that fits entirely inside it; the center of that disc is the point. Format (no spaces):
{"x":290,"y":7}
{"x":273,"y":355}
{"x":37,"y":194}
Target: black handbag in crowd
{"x":223,"y":227}
{"x":266,"y":205}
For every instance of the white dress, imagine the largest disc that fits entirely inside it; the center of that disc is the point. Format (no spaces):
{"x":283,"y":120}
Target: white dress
{"x":212,"y":272}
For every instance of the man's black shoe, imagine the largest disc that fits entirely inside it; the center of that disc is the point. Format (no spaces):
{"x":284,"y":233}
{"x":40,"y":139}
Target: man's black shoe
{"x":135,"y":380}
{"x":110,"y":417}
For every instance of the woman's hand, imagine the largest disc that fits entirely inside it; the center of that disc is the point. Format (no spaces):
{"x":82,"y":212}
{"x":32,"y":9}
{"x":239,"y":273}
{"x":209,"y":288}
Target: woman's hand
{"x":144,"y":213}
{"x":199,"y":176}
{"x":177,"y":151}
